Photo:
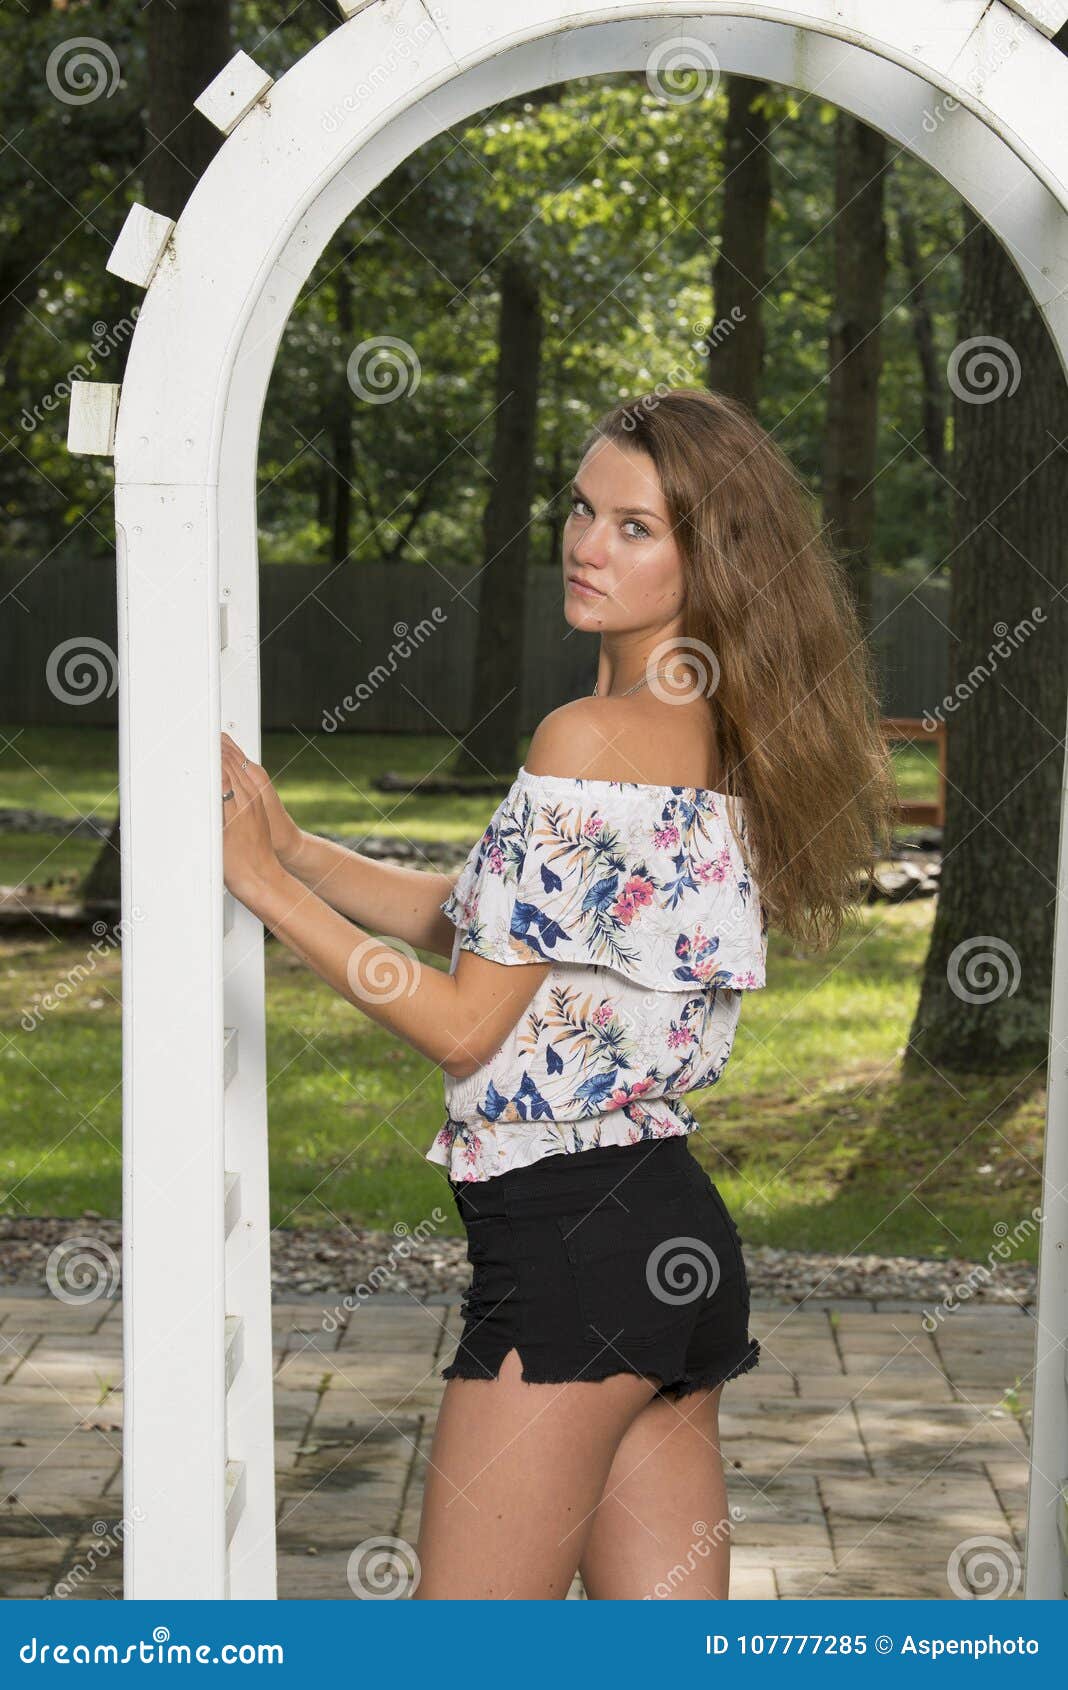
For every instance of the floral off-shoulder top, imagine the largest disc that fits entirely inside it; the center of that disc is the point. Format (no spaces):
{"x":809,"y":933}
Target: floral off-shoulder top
{"x":639,"y":897}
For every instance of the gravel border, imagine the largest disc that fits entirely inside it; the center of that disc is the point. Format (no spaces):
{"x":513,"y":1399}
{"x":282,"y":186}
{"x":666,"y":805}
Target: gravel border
{"x":361,"y":1262}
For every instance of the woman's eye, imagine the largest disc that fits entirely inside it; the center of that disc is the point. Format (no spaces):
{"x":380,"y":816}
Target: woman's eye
{"x":632,"y":522}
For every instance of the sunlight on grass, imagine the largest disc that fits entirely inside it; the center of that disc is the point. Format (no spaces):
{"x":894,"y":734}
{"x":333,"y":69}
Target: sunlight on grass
{"x":325,"y":781}
{"x":813,"y":1137}
{"x":819,"y":1143}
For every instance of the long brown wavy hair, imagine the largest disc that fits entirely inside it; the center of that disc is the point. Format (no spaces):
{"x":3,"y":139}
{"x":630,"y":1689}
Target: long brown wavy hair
{"x":795,"y":703}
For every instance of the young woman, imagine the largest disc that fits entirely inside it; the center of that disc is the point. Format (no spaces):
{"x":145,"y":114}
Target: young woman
{"x":728,"y":772}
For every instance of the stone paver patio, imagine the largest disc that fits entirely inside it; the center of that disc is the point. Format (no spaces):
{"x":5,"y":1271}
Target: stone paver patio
{"x":860,"y":1454}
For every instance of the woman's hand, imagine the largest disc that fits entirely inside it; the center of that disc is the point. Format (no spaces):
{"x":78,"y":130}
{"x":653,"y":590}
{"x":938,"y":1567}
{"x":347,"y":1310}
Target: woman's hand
{"x":249,"y":858}
{"x":286,"y":836}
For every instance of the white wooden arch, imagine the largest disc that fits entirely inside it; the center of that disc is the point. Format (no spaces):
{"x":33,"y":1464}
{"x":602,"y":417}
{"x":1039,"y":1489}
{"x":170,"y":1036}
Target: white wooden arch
{"x":974,"y":88}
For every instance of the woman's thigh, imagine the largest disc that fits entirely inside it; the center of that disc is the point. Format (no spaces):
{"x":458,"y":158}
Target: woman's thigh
{"x":662,"y":1526}
{"x":514,"y":1476}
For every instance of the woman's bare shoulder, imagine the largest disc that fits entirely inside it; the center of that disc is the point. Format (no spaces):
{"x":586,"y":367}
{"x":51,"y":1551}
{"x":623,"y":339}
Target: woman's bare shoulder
{"x":621,"y":739}
{"x":574,"y":740}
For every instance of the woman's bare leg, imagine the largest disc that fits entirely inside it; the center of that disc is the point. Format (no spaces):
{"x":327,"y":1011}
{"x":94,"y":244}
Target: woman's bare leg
{"x":514,"y":1477}
{"x":662,"y":1528}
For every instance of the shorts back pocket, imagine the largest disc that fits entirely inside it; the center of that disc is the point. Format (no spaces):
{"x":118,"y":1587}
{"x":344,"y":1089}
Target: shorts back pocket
{"x":643,"y":1270}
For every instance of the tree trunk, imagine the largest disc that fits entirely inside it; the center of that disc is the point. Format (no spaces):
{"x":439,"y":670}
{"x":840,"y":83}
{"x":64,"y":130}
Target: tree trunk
{"x":187,"y":44}
{"x":490,"y":744}
{"x":934,"y":407}
{"x":341,"y":423}
{"x":324,"y":492}
{"x":736,"y":345}
{"x":985,"y":998}
{"x":103,"y":883}
{"x":854,"y":351}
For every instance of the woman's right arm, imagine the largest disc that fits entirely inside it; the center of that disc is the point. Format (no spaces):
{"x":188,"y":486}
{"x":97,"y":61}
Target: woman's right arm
{"x":381,"y":897}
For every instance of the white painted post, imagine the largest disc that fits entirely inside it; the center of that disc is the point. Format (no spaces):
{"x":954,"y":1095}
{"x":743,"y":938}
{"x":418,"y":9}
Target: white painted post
{"x":174,"y":1121}
{"x":1047,"y":1496}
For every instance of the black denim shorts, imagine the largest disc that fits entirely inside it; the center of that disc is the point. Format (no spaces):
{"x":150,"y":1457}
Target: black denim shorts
{"x":620,"y":1259}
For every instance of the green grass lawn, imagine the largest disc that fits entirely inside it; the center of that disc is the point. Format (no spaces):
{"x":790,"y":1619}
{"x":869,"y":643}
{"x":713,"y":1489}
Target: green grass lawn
{"x":812,"y":1135}
{"x":324,"y":781}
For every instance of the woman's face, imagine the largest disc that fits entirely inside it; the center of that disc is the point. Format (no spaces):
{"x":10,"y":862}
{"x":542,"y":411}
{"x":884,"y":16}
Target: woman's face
{"x":619,"y":546}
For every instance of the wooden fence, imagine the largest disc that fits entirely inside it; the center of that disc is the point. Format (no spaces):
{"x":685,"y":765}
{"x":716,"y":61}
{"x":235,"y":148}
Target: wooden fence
{"x":397,"y":641}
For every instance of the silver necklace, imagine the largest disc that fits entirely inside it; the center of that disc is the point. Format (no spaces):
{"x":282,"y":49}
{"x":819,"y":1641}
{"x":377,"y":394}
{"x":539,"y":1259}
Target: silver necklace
{"x":644,"y":682}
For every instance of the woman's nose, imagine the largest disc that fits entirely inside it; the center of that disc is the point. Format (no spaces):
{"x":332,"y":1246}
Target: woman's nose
{"x":588,"y":547}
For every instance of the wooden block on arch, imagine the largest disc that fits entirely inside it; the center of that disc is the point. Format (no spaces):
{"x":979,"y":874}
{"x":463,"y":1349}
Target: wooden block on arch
{"x":1047,"y":16}
{"x":94,"y":410}
{"x":140,"y":245}
{"x":239,"y":86}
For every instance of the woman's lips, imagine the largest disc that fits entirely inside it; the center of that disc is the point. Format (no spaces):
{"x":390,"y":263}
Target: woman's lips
{"x":580,"y":587}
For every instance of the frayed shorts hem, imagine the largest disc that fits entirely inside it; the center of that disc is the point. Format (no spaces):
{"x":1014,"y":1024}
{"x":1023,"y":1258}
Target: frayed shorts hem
{"x":599,"y":1369}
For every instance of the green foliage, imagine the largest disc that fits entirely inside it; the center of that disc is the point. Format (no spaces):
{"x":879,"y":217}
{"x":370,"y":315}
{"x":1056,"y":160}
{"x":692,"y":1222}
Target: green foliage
{"x":609,"y":195}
